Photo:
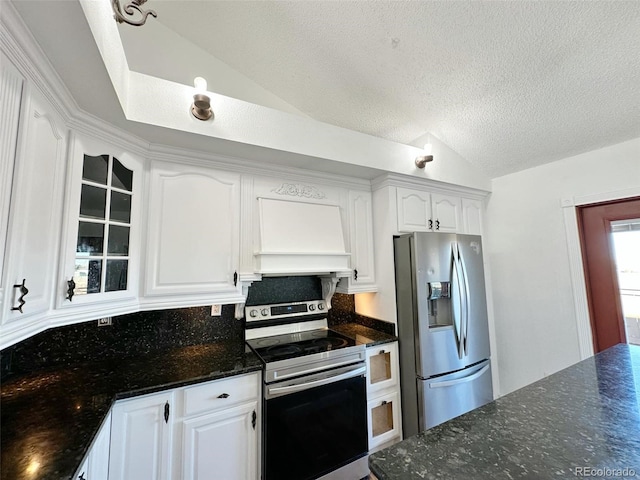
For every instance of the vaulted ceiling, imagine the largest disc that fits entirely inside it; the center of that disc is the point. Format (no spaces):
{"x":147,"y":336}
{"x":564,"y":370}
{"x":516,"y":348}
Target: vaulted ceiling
{"x":507,"y":85}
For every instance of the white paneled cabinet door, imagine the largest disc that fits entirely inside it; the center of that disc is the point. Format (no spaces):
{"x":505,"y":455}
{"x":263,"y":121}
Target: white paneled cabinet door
{"x":414,"y":210}
{"x":363,"y":278}
{"x":472,"y":216}
{"x":222,"y":445}
{"x":141,"y":438}
{"x":11,"y":85}
{"x":445,"y":213}
{"x":35,"y":217}
{"x":193,"y":235}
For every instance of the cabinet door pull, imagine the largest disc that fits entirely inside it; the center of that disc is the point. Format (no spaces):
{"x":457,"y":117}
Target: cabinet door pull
{"x":71,"y":289}
{"x":437,"y":224}
{"x":430,"y":224}
{"x":355,"y":274}
{"x":382,"y":352}
{"x":23,"y":291}
{"x":254,"y":416}
{"x":235,"y":279}
{"x":166,"y":412}
{"x":384,"y":402}
{"x":223,"y":395}
{"x":81,"y":476}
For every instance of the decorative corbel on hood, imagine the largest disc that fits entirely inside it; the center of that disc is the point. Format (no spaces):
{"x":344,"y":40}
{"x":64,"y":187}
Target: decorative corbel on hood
{"x":300,"y":238}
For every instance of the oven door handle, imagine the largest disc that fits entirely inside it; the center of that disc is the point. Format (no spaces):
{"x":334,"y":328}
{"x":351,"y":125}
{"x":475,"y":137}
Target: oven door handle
{"x":275,"y":391}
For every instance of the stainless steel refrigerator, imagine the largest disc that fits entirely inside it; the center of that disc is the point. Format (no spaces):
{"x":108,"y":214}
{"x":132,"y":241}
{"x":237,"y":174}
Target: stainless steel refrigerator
{"x":442,"y":328}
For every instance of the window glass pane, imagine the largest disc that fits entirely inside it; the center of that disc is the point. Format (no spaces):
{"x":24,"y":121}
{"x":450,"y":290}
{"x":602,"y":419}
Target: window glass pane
{"x":90,"y":238}
{"x":122,"y":176}
{"x":120,"y":207}
{"x":116,"y":275}
{"x":118,"y":240}
{"x":93,"y":202}
{"x":95,"y":169}
{"x":87,"y":276}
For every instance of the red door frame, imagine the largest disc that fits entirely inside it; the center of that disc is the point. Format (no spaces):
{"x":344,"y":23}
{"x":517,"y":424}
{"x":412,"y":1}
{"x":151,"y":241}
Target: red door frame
{"x":605,"y":308}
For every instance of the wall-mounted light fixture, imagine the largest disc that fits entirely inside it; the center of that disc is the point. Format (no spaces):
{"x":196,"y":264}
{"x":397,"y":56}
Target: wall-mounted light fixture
{"x":130,"y":9}
{"x":426,"y":157}
{"x":201,"y":106}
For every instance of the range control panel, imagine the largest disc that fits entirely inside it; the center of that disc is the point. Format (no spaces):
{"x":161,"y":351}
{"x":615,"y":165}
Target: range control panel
{"x":284,"y":310}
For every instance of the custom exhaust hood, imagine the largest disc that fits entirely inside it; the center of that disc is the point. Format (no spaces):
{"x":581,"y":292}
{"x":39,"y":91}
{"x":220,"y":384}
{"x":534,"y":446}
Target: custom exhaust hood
{"x":300,"y":238}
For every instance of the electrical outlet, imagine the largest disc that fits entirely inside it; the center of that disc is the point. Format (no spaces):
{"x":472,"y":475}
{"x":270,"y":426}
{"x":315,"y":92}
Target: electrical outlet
{"x":104,"y":322}
{"x":216,"y":310}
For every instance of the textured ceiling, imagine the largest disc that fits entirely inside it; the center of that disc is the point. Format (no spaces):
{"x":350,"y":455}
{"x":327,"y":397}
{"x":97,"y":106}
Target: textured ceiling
{"x":508,"y":85}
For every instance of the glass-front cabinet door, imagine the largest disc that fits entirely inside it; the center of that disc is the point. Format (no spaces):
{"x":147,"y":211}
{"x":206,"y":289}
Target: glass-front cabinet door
{"x":102,"y":238}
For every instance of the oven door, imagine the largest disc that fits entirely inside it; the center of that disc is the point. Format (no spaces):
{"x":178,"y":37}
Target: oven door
{"x":315,"y":424}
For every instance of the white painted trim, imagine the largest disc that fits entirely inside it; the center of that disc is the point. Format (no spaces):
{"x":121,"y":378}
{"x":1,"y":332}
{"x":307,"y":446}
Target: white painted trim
{"x":576,"y":266}
{"x":433,"y":186}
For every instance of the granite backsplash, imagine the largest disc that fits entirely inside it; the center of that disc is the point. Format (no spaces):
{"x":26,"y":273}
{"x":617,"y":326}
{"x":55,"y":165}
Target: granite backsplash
{"x":155,"y":331}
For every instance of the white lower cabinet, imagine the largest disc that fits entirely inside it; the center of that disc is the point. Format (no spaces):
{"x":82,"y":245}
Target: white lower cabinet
{"x":224,"y":442}
{"x":208,"y":430}
{"x":141,"y":438}
{"x":96,"y":462}
{"x":383,"y":396}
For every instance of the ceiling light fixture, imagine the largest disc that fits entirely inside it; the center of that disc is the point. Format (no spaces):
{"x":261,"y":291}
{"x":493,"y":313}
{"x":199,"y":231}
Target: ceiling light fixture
{"x":201,"y":106}
{"x":422,"y":160}
{"x":130,"y":9}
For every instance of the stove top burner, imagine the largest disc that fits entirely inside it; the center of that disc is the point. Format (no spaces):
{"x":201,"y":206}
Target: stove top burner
{"x":282,"y":347}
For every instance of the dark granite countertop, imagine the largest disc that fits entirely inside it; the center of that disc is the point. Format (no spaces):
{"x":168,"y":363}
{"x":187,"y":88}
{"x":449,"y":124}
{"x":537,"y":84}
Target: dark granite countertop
{"x":581,"y":421}
{"x":365,"y":335}
{"x":50,"y":417}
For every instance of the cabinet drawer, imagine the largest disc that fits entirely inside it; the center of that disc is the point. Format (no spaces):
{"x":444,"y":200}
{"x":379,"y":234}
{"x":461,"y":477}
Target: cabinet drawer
{"x":220,"y":394}
{"x":382,"y":364}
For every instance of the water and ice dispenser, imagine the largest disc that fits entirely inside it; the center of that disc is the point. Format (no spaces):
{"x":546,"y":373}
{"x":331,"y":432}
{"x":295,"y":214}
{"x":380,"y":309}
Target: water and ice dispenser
{"x":439,"y":304}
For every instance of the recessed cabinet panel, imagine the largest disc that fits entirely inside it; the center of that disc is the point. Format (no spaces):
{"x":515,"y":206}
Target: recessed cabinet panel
{"x":224,"y":443}
{"x":414,"y":210}
{"x":472,"y":216}
{"x":361,"y":247}
{"x":445,"y":212}
{"x":193,"y":231}
{"x":35,"y":215}
{"x":141,"y":438}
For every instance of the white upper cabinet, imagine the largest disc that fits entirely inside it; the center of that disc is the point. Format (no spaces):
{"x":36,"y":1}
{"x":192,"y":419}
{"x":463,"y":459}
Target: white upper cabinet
{"x":446,"y":213}
{"x":100,"y":259}
{"x":34,"y":218}
{"x":363,"y":278}
{"x":192,"y":236}
{"x":414,"y":210}
{"x":420,"y":211}
{"x":472,"y":216}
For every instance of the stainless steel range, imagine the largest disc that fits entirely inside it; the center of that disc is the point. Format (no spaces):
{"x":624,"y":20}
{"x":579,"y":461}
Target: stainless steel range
{"x":315,"y":421}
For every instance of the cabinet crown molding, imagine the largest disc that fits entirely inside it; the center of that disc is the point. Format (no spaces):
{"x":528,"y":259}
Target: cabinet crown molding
{"x":433,"y":186}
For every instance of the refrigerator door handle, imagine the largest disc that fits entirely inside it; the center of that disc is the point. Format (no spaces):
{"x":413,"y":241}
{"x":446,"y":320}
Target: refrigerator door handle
{"x":457,"y":381}
{"x":460,"y":324}
{"x":467,"y":303}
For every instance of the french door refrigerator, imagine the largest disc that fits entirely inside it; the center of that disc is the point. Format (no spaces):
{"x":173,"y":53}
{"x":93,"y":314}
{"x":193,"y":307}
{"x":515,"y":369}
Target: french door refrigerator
{"x":442,"y":328}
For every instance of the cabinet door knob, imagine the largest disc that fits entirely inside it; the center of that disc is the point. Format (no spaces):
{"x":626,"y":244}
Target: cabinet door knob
{"x":23,"y":291}
{"x":81,"y":476}
{"x":382,"y":352}
{"x":71,"y":288}
{"x":223,"y":395}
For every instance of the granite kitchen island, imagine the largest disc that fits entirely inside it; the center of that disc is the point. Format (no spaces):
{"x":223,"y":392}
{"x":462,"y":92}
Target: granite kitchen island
{"x":583,"y":421}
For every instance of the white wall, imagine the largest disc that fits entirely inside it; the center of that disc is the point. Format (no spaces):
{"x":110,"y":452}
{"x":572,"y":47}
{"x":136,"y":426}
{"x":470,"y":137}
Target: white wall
{"x":535,"y":314}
